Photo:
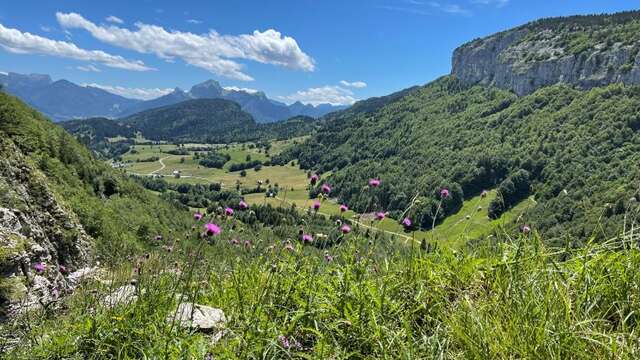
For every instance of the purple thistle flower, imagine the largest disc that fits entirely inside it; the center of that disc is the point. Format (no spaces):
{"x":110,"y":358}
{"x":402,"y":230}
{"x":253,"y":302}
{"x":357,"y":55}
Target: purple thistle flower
{"x":380,"y":215}
{"x":197,"y":216}
{"x":526,"y":229}
{"x":314,"y":179}
{"x":247,"y":243}
{"x":212,"y":229}
{"x":407,"y":222}
{"x":345,"y":229}
{"x":326,"y":188}
{"x":228,"y":211}
{"x":328,"y":258}
{"x":307,"y":238}
{"x":235,"y":242}
{"x":40,"y":267}
{"x":284,"y":342}
{"x":316,"y":205}
{"x":444,"y":193}
{"x":343,"y":208}
{"x":243,"y":205}
{"x":374,"y":182}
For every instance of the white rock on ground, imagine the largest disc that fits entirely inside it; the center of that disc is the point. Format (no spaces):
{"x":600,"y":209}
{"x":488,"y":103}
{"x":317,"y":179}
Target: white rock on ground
{"x":197,"y":316}
{"x":123,"y":295}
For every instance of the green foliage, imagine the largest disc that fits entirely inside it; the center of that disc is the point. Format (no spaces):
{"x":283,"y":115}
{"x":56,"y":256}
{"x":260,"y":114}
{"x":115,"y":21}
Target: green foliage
{"x":214,"y":160}
{"x":447,"y":135}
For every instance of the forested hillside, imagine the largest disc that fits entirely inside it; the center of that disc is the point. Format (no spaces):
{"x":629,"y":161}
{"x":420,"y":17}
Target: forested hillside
{"x":575,"y":151}
{"x":60,"y":206}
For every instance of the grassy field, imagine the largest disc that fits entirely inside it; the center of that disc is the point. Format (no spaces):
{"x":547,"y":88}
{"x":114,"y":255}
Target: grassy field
{"x":471,"y":222}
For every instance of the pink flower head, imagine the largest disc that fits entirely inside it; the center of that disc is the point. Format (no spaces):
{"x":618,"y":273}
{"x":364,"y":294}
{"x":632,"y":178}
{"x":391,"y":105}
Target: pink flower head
{"x":484,"y":193}
{"x":526,"y":229}
{"x":444,"y":193}
{"x":406,"y":222}
{"x":343,"y":208}
{"x":212,"y":229}
{"x":380,"y":215}
{"x":345,"y":229}
{"x":235,"y":242}
{"x":314,"y":179}
{"x":62,"y":268}
{"x":326,"y":188}
{"x":247,"y":243}
{"x":228,"y":211}
{"x":243,"y":205}
{"x":197,"y":216}
{"x":307,"y":238}
{"x":316,"y":205}
{"x":328,"y":258}
{"x":40,"y":267}
{"x":284,"y":342}
{"x":374,"y":182}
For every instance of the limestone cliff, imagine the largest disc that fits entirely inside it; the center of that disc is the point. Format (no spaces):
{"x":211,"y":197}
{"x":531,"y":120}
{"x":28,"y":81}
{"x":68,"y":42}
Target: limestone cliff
{"x":584,"y":51}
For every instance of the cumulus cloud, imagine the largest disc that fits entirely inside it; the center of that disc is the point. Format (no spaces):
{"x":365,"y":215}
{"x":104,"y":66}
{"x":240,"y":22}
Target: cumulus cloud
{"x":88,"y":68}
{"x":235,"y":88}
{"x":329,"y":94}
{"x":19,"y":42}
{"x":134,"y":93}
{"x":114,"y":19}
{"x":355,"y":84}
{"x":211,"y":51}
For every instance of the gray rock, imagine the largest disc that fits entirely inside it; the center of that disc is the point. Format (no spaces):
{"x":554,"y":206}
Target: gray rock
{"x":123,"y":295}
{"x":201,"y":317}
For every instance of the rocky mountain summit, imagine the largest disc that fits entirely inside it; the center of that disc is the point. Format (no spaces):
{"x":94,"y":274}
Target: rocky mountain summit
{"x":584,"y":51}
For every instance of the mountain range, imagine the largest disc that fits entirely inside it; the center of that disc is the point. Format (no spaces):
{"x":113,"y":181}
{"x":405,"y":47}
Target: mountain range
{"x":63,"y":100}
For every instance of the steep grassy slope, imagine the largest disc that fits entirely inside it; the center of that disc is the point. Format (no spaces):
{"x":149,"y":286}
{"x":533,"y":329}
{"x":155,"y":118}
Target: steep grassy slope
{"x":575,"y":151}
{"x":59,"y":206}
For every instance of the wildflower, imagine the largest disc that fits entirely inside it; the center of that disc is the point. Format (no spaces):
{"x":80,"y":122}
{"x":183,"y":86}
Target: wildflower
{"x":39,"y":267}
{"x":316,"y":205}
{"x":380,"y":215}
{"x":407,"y":222}
{"x":235,"y":242}
{"x":327,"y":257}
{"x":326,"y":188}
{"x":314,"y":179}
{"x":526,"y":229}
{"x":307,"y":238}
{"x":484,"y":193}
{"x":444,"y":193}
{"x":212,"y":229}
{"x":343,"y":208}
{"x":243,"y":205}
{"x":284,"y":342}
{"x":345,"y":229}
{"x":197,"y":216}
{"x":247,"y":243}
{"x":228,"y":211}
{"x":158,"y":237}
{"x":374,"y":182}
{"x":62,"y":268}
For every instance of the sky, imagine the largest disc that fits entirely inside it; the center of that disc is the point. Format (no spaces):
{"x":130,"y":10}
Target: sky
{"x":329,"y":51}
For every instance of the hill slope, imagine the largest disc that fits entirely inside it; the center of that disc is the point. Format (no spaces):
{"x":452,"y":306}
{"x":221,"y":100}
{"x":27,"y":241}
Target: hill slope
{"x":59,"y":206}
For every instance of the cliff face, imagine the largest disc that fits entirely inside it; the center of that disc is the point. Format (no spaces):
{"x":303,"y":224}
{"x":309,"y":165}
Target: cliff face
{"x":586,"y":52}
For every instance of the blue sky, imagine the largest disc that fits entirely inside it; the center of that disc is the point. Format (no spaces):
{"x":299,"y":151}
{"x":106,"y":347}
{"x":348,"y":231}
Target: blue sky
{"x":314,"y":51}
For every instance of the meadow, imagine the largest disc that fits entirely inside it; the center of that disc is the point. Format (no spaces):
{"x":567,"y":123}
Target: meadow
{"x":469,"y":223}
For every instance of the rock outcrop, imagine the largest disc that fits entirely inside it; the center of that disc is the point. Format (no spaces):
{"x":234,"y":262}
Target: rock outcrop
{"x":582,"y":51}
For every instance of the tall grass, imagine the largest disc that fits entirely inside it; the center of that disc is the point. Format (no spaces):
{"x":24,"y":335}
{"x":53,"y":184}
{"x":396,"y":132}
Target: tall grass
{"x":376,"y":298}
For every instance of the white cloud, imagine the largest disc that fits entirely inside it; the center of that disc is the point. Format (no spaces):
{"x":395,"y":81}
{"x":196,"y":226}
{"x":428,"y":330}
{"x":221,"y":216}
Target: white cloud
{"x":497,"y":3}
{"x":134,"y":93}
{"x":211,"y":51}
{"x":334,"y":95}
{"x":355,"y":84}
{"x":88,"y":68}
{"x":4,"y":73}
{"x":45,"y":28}
{"x":114,"y":19}
{"x":450,"y":8}
{"x":194,"y":21}
{"x":18,"y":42}
{"x":235,"y":88}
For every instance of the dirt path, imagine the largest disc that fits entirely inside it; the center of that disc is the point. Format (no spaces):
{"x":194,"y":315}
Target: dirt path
{"x":161,"y":164}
